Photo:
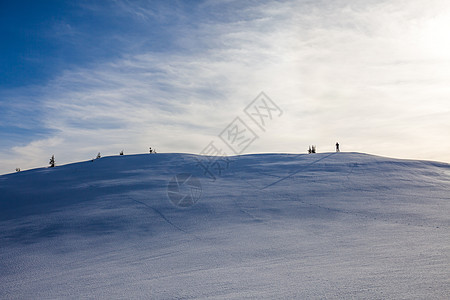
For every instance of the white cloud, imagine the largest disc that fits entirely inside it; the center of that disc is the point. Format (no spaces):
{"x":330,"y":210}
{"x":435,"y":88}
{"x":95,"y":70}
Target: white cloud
{"x":357,"y":72}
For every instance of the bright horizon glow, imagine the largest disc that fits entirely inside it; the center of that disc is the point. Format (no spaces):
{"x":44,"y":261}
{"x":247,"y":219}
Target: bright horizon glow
{"x":78,"y":79}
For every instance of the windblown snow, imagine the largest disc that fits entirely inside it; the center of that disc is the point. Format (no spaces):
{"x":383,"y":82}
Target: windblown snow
{"x":331,"y":225}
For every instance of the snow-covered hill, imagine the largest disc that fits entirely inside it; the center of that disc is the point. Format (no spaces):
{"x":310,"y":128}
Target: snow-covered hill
{"x":332,"y":225}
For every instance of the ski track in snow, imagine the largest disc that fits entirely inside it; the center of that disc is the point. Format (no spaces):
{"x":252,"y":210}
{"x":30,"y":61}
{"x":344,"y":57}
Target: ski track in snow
{"x":159,"y":213}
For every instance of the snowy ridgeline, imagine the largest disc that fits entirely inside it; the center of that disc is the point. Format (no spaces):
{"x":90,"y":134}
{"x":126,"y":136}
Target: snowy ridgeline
{"x":343,"y":225}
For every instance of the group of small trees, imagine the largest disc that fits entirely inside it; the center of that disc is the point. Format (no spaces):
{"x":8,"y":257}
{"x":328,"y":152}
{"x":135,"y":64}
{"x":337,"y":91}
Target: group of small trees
{"x":97,"y":157}
{"x":312,"y":149}
{"x":52,"y":159}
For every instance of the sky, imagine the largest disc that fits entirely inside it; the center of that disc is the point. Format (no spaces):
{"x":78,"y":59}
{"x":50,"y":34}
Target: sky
{"x":82,"y":77}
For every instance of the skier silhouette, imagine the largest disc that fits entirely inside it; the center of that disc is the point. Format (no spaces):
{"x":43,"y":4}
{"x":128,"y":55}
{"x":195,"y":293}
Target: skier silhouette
{"x":337,"y":147}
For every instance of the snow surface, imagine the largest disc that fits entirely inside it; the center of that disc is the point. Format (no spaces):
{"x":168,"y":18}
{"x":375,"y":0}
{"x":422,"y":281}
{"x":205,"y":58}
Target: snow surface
{"x":331,"y":225}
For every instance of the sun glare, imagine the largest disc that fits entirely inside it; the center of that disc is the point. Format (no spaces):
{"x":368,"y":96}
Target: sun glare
{"x":436,"y":35}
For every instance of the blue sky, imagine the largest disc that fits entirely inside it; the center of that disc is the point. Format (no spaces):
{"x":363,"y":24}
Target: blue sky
{"x":82,"y":77}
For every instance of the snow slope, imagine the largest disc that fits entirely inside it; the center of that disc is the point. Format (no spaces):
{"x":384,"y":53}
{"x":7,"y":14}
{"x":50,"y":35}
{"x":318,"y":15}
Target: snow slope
{"x":331,"y":225}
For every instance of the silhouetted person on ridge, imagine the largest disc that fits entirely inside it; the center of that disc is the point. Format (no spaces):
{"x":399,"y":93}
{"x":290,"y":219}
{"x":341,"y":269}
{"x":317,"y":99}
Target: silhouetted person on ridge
{"x":337,"y":147}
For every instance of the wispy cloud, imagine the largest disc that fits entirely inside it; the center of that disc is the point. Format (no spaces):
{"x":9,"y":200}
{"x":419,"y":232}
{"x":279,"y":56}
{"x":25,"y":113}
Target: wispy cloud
{"x":360,"y":73}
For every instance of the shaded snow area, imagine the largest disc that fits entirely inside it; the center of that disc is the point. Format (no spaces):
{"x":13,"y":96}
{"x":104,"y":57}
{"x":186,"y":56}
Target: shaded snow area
{"x":278,"y":226}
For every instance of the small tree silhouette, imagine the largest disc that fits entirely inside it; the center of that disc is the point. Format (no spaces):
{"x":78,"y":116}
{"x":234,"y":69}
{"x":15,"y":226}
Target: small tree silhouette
{"x":313,"y":149}
{"x":98,"y":156}
{"x":309,"y":150}
{"x":121,"y":152}
{"x":52,"y":161}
